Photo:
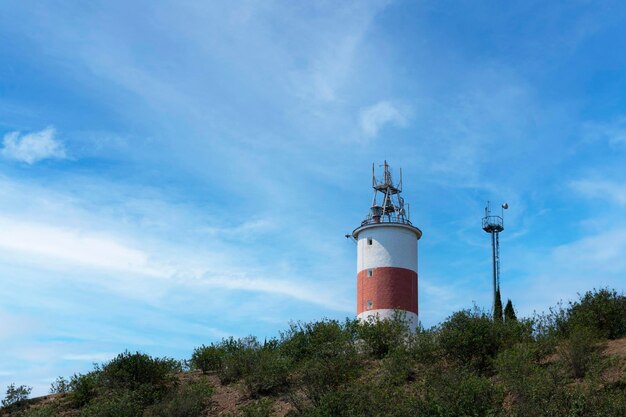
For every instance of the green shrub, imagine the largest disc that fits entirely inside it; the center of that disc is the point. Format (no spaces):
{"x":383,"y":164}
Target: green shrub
{"x":118,"y":403}
{"x":579,"y":350}
{"x":520,"y":373}
{"x":133,"y":376}
{"x":471,"y":338}
{"x":382,"y":336}
{"x":550,"y":325}
{"x":132,"y":370}
{"x":188,"y":400}
{"x":397,"y":367}
{"x":237,"y":358}
{"x":263,"y":368}
{"x":83,"y":388}
{"x":60,"y":386}
{"x":458,"y":392}
{"x":578,"y":401}
{"x":325,"y":355}
{"x":324,"y":338}
{"x":15,"y":396}
{"x":543,"y":389}
{"x":442,"y":393}
{"x":258,"y":408}
{"x":468,"y":337}
{"x":423,"y":346}
{"x":207,"y":358}
{"x":602,"y":310}
{"x":363,"y":399}
{"x":267,"y":370}
{"x":48,"y":410}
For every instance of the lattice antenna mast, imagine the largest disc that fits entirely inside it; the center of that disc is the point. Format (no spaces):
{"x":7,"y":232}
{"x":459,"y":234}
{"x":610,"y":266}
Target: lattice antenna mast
{"x":387,"y":203}
{"x":494,"y":225}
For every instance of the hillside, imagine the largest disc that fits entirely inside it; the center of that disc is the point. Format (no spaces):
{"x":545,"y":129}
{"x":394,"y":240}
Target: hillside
{"x":569,"y":361}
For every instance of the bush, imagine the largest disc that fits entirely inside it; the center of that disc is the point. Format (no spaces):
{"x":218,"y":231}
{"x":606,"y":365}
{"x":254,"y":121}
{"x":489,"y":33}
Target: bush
{"x":83,"y":388}
{"x":423,"y":346}
{"x":397,"y":367}
{"x":602,"y":310}
{"x":363,"y":400}
{"x":237,"y":358}
{"x":258,"y":408}
{"x":579,"y":350}
{"x":119,"y":403}
{"x":458,"y":392}
{"x":542,"y":389}
{"x":267,"y":370}
{"x":325,"y":355}
{"x":60,"y":386}
{"x":133,"y":376}
{"x":325,"y":338}
{"x":48,"y":410}
{"x":383,"y":336}
{"x":520,"y":373}
{"x":262,"y":367}
{"x":441,"y":393}
{"x":468,"y":337}
{"x":132,"y":370}
{"x":207,"y":358}
{"x":15,"y":396}
{"x":149,"y":378}
{"x":189,"y":400}
{"x":471,"y":338}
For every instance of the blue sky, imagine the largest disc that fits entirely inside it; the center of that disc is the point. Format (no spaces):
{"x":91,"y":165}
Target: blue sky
{"x":175,"y":172}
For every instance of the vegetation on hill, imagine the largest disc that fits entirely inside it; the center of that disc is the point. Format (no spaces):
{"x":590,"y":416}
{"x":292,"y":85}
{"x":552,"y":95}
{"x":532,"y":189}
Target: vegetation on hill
{"x":469,"y":365}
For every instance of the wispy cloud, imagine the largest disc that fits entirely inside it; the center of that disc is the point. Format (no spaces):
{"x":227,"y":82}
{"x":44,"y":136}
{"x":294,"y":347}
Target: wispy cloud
{"x":373,"y":118}
{"x":600,"y":254}
{"x":32,"y":147}
{"x":73,"y":246}
{"x":298,"y":291}
{"x":601,"y":189}
{"x":613,"y":132}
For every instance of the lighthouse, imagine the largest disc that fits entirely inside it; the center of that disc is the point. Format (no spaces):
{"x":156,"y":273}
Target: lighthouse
{"x":387,"y":254}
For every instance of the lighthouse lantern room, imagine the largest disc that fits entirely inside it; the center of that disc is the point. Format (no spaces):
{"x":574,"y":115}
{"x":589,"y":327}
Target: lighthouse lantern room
{"x":387,"y":255}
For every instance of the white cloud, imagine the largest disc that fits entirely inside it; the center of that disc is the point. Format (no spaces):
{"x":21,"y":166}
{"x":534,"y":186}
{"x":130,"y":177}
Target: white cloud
{"x":599,"y":254}
{"x":605,"y":190}
{"x":566,"y":270}
{"x":32,"y":147}
{"x":375,"y":117}
{"x":294,"y":290}
{"x":66,"y":245}
{"x":613,"y":132}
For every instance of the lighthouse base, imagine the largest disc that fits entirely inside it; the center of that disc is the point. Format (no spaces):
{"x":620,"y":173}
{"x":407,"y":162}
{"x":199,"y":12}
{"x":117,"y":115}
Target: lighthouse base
{"x":383,"y":314}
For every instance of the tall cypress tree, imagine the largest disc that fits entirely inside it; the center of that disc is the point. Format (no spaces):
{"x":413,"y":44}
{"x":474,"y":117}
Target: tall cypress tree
{"x":509,"y":312}
{"x":497,"y":307}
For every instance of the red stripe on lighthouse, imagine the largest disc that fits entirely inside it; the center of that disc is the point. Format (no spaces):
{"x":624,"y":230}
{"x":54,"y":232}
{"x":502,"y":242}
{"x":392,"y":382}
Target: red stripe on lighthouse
{"x":387,"y":288}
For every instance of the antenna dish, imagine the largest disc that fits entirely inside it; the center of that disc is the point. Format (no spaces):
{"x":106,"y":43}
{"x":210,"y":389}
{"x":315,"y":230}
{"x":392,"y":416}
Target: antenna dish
{"x":505,"y":206}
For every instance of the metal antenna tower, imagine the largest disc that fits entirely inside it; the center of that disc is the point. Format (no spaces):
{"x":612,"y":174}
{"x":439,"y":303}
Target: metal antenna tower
{"x":494,"y":225}
{"x":391,"y":208}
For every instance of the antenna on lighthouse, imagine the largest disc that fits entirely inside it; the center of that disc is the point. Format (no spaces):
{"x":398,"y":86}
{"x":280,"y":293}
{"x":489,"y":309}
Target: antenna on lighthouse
{"x":494,"y":225}
{"x":387,"y":204}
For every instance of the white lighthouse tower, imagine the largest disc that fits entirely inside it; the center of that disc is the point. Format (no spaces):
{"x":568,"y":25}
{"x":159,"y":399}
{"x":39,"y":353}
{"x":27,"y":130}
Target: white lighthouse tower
{"x":387,"y":255}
